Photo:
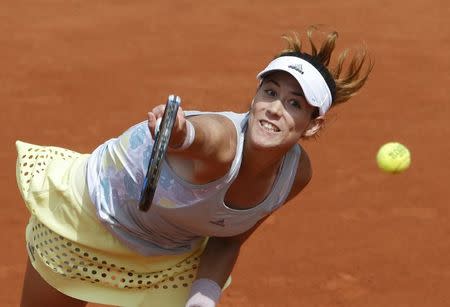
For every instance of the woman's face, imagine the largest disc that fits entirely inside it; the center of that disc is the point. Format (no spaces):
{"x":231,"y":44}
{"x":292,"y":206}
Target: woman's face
{"x":279,"y":115}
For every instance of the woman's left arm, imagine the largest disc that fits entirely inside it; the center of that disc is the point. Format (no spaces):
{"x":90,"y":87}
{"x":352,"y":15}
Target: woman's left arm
{"x":216,"y":264}
{"x":220,"y":254}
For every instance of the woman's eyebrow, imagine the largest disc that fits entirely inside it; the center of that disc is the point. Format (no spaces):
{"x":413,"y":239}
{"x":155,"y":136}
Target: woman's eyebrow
{"x":268,"y":80}
{"x":298,"y":94}
{"x":273,"y":81}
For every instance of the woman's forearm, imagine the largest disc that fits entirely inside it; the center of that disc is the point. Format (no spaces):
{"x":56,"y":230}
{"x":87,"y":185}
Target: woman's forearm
{"x":218,"y":259}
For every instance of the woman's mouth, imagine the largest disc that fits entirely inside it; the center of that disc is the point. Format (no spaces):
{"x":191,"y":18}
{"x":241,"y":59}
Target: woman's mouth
{"x":267,"y":126}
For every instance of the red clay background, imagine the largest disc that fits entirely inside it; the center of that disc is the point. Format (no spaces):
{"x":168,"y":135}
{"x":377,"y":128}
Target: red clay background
{"x":75,"y":73}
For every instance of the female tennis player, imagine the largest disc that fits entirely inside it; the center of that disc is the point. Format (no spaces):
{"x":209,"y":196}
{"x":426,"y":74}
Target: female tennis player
{"x":223,"y":175}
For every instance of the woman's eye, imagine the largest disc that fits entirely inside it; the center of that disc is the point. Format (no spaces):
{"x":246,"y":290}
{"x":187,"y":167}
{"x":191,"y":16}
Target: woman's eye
{"x":271,"y":93}
{"x":295,"y":103}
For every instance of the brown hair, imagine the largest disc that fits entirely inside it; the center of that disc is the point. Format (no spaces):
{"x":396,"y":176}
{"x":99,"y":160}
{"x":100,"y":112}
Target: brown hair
{"x":348,"y":75}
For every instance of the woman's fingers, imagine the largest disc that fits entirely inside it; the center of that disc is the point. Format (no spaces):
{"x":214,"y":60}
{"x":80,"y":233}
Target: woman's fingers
{"x":179,"y":129}
{"x":180,"y":121}
{"x":151,"y":123}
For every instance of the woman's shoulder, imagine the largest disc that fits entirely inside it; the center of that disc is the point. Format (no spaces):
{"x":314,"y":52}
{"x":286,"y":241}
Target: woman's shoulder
{"x":303,"y":175}
{"x":304,"y":170}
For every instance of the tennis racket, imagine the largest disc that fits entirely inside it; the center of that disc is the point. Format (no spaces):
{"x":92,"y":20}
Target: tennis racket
{"x":162,"y":137}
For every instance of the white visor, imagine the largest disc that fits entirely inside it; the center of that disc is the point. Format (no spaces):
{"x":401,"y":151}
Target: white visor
{"x":316,"y":90}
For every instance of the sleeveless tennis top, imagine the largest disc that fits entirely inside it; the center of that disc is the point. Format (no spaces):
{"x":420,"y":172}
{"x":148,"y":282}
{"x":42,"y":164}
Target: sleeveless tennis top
{"x":182,"y":214}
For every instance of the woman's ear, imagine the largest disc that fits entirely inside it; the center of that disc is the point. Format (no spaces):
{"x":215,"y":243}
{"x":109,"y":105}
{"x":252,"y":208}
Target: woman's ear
{"x":314,"y":126}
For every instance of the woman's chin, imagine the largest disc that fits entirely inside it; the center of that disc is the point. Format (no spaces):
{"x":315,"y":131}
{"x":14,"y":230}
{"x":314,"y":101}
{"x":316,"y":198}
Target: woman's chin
{"x":265,"y":145}
{"x":265,"y":141}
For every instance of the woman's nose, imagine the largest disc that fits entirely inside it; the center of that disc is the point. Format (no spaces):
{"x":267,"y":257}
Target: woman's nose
{"x":276,"y":107}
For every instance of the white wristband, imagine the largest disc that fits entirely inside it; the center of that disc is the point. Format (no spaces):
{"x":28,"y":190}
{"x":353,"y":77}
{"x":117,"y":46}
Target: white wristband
{"x":204,"y":293}
{"x":190,"y":136}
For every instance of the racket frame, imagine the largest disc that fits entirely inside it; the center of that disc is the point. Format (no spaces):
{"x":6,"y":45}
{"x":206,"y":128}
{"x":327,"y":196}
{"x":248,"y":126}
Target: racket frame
{"x":160,"y":145}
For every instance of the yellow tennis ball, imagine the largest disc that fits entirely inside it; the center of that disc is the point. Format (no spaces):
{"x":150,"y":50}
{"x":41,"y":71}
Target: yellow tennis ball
{"x":393,"y":157}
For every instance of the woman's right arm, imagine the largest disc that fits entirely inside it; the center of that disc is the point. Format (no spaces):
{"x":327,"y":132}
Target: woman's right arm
{"x":214,"y":145}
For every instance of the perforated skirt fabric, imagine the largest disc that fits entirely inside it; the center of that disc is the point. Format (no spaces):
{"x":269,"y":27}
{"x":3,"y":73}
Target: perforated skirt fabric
{"x":75,"y":253}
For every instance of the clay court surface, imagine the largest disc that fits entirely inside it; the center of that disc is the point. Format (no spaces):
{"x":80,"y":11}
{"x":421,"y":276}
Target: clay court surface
{"x":75,"y":73}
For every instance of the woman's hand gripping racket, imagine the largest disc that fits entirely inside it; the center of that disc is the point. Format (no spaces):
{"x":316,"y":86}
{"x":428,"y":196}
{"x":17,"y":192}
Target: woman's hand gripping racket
{"x":162,"y":137}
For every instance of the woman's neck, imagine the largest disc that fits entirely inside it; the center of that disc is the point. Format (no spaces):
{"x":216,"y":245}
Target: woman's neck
{"x":260,"y":163}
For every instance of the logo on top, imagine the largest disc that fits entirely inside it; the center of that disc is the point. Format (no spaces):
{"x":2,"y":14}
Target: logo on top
{"x":220,"y":222}
{"x":297,"y":67}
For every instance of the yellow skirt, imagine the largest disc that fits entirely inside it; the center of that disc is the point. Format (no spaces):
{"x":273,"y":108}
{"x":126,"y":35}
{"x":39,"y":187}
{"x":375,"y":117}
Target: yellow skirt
{"x":75,"y":253}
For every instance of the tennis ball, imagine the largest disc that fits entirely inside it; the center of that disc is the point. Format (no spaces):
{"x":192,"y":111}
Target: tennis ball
{"x":393,"y":157}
